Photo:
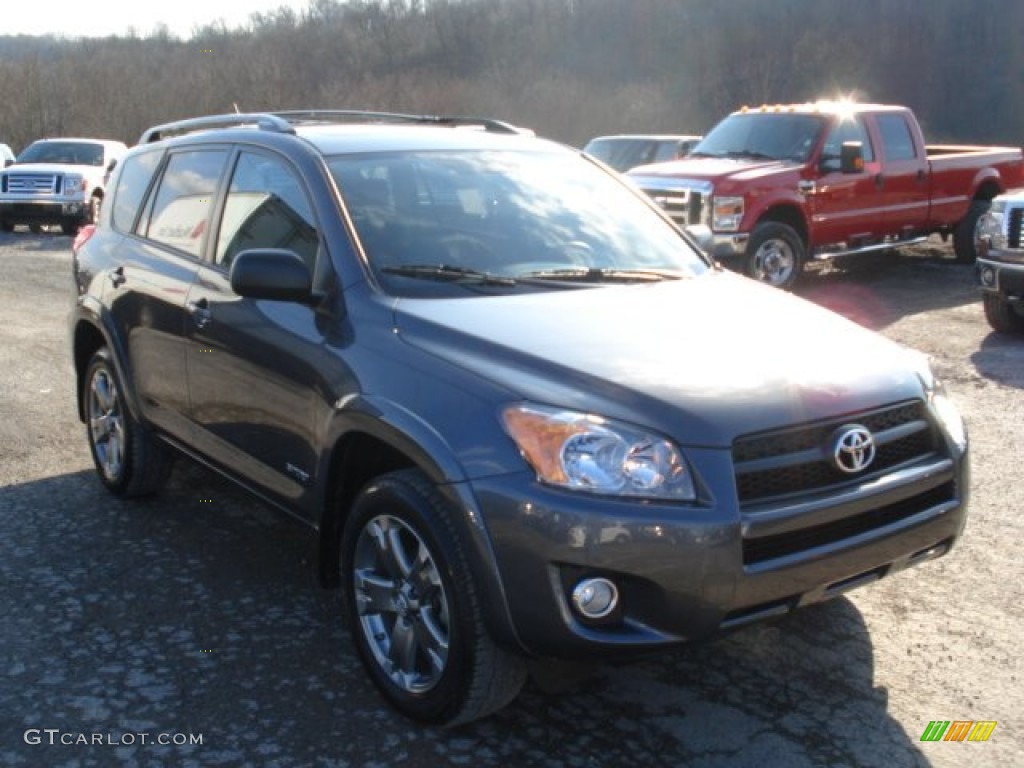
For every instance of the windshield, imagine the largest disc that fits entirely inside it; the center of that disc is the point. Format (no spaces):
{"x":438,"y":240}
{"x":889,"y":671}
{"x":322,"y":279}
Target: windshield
{"x":504,"y":220}
{"x":763,"y":136}
{"x":64,"y":153}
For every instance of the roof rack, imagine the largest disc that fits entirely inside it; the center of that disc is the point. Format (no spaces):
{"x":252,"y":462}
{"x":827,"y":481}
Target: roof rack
{"x":354,"y":115}
{"x":285,"y":122}
{"x":261,"y":120}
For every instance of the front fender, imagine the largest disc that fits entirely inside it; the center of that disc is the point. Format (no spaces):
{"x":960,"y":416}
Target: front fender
{"x":407,"y":434}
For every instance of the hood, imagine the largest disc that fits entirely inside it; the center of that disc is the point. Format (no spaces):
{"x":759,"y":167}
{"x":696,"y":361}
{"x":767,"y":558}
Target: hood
{"x":55,"y":168}
{"x":704,"y":359}
{"x":711,"y":169}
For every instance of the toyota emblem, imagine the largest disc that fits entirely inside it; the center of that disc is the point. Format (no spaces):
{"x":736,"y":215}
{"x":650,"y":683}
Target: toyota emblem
{"x":853,"y":449}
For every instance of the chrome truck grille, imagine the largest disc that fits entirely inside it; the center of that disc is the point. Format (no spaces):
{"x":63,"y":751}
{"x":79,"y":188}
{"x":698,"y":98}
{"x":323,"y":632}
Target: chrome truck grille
{"x":32,"y":184}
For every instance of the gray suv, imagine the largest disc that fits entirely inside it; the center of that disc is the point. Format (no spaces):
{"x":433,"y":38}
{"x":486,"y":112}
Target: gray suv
{"x":527,"y":417}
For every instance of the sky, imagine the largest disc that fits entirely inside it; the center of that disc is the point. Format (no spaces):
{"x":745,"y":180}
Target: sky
{"x":100,"y":18}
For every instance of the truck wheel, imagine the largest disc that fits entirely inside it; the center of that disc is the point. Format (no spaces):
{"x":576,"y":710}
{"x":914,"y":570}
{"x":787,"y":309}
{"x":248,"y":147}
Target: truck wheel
{"x":1001,"y":315}
{"x":413,"y":609}
{"x":775,"y":255}
{"x":964,"y":245}
{"x":129,"y":460}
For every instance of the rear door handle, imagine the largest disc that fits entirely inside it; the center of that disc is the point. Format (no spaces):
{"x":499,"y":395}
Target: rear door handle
{"x":117,"y":277}
{"x":200,"y":312}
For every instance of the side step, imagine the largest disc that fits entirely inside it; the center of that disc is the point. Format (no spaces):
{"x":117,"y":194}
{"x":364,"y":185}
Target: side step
{"x":883,"y":246}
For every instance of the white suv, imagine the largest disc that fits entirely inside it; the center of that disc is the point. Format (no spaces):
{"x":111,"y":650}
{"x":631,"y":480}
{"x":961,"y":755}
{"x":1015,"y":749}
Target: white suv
{"x":57,"y":181}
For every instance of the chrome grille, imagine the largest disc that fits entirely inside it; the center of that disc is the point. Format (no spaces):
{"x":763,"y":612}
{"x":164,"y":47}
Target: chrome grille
{"x":795,"y":461}
{"x":685,"y":206}
{"x":1013,"y":231}
{"x":33,"y":184}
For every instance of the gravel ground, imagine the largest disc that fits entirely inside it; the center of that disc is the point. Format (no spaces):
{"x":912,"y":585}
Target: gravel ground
{"x":197,"y":614}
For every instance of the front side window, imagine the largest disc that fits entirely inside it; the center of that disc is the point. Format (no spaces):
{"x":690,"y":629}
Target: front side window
{"x":266,"y":207}
{"x":525,"y":217}
{"x":847,"y":129}
{"x":136,"y":173}
{"x":897,"y":141}
{"x":184,"y":201}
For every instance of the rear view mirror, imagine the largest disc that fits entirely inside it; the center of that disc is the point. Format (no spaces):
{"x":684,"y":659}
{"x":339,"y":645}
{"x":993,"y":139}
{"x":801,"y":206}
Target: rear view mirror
{"x":271,"y":273}
{"x":851,"y":157}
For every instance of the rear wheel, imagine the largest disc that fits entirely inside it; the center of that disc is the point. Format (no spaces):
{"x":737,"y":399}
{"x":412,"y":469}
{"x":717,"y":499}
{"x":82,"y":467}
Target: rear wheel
{"x":964,"y":243}
{"x":775,"y":255}
{"x":414,"y":610}
{"x":1001,"y":315}
{"x":129,"y":460}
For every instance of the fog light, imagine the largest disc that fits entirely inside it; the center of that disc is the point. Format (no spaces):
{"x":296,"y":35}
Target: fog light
{"x":988,"y":277}
{"x":595,"y":598}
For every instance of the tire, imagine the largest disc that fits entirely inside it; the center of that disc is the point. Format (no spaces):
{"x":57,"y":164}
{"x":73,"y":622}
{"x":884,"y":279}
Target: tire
{"x":35,"y":229}
{"x":1001,"y":316}
{"x":964,"y":246}
{"x":775,"y":255}
{"x":413,"y":609}
{"x":129,"y":459}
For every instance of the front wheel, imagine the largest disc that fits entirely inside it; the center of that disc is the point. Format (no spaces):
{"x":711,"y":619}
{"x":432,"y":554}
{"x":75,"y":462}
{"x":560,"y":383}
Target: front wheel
{"x":1001,"y":315}
{"x":775,"y":255}
{"x":129,"y":460}
{"x":964,"y":242}
{"x":413,"y":609}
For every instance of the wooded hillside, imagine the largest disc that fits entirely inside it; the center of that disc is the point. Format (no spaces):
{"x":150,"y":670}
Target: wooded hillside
{"x":570,"y":69}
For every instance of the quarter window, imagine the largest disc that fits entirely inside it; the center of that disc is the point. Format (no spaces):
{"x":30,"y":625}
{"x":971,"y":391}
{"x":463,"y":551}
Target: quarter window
{"x":184,"y":202}
{"x":266,"y":208}
{"x":131,"y":188}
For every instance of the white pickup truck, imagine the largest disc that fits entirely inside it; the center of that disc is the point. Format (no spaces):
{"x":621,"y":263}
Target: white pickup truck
{"x":57,"y":181}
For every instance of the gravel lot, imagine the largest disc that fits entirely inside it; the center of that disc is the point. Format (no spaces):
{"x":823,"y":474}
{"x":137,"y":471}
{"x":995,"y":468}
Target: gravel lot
{"x":198,"y":612}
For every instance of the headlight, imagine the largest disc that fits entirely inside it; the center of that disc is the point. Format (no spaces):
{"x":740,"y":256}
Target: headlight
{"x":989,"y":230}
{"x":584,"y":452}
{"x":726,"y":213}
{"x":942,"y":406}
{"x":73,"y":185}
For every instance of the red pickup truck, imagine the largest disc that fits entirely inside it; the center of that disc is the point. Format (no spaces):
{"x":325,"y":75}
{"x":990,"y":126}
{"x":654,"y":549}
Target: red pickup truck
{"x":769,"y":188}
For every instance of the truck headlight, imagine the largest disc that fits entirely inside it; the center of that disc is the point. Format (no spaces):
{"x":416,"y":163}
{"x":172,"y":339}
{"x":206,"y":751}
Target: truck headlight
{"x":726,"y":213}
{"x":584,"y":452}
{"x":989,"y":231}
{"x":74,"y":185}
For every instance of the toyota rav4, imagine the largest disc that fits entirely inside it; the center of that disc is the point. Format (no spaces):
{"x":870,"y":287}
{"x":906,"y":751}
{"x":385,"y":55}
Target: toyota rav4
{"x":527,"y":417}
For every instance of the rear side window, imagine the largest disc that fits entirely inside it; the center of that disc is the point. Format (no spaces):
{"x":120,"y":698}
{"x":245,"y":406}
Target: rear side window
{"x":897,"y":142}
{"x":266,"y":207}
{"x":136,"y":173}
{"x":184,"y":200}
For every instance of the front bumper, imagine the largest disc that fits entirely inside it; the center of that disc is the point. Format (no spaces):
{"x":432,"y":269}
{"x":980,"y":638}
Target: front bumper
{"x":1002,"y":272}
{"x":44,"y":211}
{"x":687,"y":572}
{"x":723,"y":246}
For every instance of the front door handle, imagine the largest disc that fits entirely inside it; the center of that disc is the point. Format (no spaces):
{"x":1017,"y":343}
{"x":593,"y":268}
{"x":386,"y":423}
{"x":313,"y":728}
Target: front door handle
{"x":200,"y":312}
{"x":117,"y":277}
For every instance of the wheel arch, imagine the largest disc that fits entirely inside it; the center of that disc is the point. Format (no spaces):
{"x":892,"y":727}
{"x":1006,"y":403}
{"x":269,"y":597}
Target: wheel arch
{"x":786,"y":213}
{"x":374,"y":441}
{"x":87,"y":336}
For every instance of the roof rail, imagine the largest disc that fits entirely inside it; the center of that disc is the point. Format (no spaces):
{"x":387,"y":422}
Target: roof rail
{"x":261,"y":120}
{"x":356,"y":115}
{"x":284,"y":122}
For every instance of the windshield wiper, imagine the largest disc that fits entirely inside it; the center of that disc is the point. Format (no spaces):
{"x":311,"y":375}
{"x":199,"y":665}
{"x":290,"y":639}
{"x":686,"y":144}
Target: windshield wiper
{"x":602,"y":275}
{"x":750,"y":153}
{"x":448,"y":272}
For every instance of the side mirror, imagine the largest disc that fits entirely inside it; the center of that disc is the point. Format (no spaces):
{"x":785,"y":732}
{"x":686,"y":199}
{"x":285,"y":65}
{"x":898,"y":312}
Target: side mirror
{"x":271,"y":273}
{"x":112,"y":164}
{"x":8,"y":162}
{"x":851,"y":157}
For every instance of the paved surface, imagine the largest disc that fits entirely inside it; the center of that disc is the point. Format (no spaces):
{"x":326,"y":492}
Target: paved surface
{"x":197,"y":614}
